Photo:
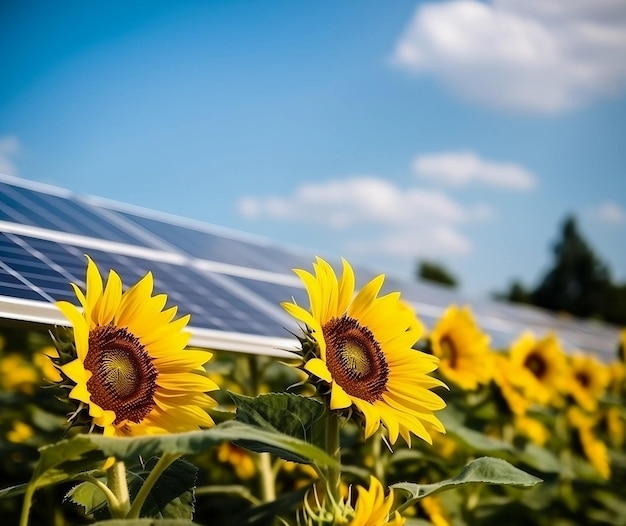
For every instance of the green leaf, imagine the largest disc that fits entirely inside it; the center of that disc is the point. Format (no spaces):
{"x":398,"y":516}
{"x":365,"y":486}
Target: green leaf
{"x":484,"y":470}
{"x":12,"y":491}
{"x":146,"y":522}
{"x":194,"y":442}
{"x":265,"y":514}
{"x":171,"y":498}
{"x":297,"y":416}
{"x":88,"y":496}
{"x":474,"y":440}
{"x":540,"y":458}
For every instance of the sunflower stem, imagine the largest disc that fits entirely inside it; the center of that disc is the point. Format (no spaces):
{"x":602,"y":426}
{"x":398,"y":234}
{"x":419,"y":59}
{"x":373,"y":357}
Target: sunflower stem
{"x":164,"y":462}
{"x":28,"y":499}
{"x":333,"y":448}
{"x":266,"y":477}
{"x":377,"y":454}
{"x":110,"y":496}
{"x":116,"y":482}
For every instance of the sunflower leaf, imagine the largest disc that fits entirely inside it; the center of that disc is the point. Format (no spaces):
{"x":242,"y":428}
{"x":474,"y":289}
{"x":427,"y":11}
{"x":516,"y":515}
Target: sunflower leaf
{"x":172,"y":498}
{"x":146,"y":522}
{"x":297,"y":416}
{"x":484,"y":470}
{"x":194,"y":442}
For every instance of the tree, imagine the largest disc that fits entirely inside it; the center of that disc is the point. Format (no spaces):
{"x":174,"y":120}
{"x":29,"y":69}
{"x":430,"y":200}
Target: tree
{"x":517,"y":293}
{"x":435,"y":272}
{"x":578,"y":281}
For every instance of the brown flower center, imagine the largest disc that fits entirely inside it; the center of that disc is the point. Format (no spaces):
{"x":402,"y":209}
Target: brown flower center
{"x":583,"y":379}
{"x":448,"y":351}
{"x":537,"y":365}
{"x":355,"y":359}
{"x":123,"y":376}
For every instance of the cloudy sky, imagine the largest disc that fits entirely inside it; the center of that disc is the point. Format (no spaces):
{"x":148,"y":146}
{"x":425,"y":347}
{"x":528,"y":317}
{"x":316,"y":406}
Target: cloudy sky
{"x":457,"y":131}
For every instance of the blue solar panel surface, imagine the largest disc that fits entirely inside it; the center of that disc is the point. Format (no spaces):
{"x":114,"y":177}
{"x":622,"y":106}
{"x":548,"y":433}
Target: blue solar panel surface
{"x":228,"y":282}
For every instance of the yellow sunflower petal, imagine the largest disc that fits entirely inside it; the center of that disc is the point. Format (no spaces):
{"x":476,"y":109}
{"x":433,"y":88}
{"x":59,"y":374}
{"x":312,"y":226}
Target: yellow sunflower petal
{"x":319,"y":369}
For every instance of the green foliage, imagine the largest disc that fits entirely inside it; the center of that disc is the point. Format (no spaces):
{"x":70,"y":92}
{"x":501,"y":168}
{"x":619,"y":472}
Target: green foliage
{"x":578,"y":282}
{"x":171,"y":498}
{"x":146,"y":522}
{"x":436,"y":273}
{"x":484,"y":470}
{"x":295,"y":416}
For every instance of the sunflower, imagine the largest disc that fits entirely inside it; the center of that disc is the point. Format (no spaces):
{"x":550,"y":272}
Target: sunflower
{"x":463,"y":349}
{"x":590,"y":379}
{"x":361,"y":347}
{"x":532,"y":429}
{"x":543,"y":366}
{"x":435,"y":511}
{"x":508,"y":380}
{"x":592,"y":447}
{"x":131,"y":369}
{"x":373,"y":509}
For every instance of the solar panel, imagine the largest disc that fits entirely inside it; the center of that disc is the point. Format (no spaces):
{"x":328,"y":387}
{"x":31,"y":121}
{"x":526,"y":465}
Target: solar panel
{"x":231,"y":283}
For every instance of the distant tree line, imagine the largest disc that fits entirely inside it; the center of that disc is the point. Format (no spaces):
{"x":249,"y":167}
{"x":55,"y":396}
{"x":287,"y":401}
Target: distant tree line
{"x":578,"y":282}
{"x":436,"y":273}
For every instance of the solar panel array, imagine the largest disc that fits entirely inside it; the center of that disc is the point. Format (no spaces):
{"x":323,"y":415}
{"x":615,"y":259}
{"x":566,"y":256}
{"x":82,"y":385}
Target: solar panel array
{"x":229,"y":282}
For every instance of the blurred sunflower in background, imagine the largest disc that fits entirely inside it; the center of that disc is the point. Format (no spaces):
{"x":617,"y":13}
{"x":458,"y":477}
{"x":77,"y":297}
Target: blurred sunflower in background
{"x":593,"y":449}
{"x":131,"y":371}
{"x":509,"y":380}
{"x":589,"y":381}
{"x":462,"y":348}
{"x":360,"y":349}
{"x":543,"y":368}
{"x":532,"y":429}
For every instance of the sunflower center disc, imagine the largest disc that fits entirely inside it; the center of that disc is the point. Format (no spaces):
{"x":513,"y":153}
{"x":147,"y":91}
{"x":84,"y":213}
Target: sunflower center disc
{"x":355,"y":359}
{"x":583,"y":379}
{"x":536,"y":364}
{"x":123,"y":376}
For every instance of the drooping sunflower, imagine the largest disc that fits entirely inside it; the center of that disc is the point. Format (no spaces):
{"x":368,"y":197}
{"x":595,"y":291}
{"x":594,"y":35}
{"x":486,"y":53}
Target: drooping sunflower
{"x":373,"y":509}
{"x":462,"y":348}
{"x":589,"y":381}
{"x":361,"y":346}
{"x":543,"y":367}
{"x":132,"y":371}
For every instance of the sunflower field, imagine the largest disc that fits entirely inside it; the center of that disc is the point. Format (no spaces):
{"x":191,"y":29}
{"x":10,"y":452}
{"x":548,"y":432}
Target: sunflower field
{"x":377,"y":420}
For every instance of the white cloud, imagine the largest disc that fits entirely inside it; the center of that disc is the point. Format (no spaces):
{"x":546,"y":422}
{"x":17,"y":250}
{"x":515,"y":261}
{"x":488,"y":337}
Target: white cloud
{"x":461,"y":168}
{"x":610,"y":212}
{"x":405,"y":219}
{"x":9,"y":148}
{"x":543,"y":56}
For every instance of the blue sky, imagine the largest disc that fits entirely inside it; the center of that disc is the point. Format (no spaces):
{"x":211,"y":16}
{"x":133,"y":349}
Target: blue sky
{"x":456,"y":131}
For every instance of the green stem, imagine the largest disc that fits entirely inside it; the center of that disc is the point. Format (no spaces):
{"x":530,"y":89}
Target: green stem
{"x":266,"y":477}
{"x":403,"y":506}
{"x":164,"y":462}
{"x":116,"y":482}
{"x":28,"y":499}
{"x":377,"y":454}
{"x":110,"y":496}
{"x":333,"y":478}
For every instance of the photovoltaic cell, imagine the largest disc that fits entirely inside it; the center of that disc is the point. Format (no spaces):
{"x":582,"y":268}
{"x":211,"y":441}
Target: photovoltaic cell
{"x":210,"y":305}
{"x":62,"y":214}
{"x":227,"y":282}
{"x":206,"y":245}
